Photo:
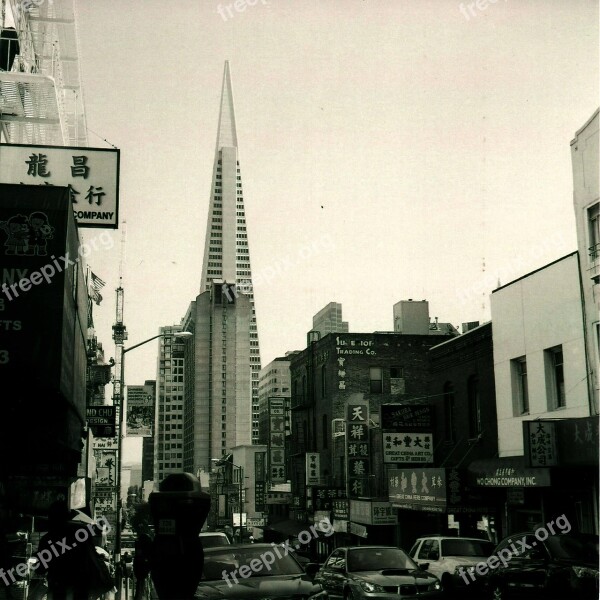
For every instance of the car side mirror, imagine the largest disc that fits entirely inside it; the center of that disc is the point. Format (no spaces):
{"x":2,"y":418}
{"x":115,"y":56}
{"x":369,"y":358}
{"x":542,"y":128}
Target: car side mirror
{"x":312,"y":569}
{"x":424,"y":566}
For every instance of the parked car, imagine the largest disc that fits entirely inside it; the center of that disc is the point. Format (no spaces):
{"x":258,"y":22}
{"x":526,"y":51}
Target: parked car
{"x":381,"y":572}
{"x":210,"y":539}
{"x":559,"y":567}
{"x":444,"y":554}
{"x":255,"y":571}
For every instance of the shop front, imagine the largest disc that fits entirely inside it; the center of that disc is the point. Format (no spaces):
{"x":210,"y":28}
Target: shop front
{"x":518,"y":490}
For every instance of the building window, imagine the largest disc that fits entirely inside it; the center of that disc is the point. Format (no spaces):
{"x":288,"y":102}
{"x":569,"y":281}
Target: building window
{"x":555,"y":377}
{"x":520,"y":389}
{"x":449,"y":417}
{"x":397,"y":372}
{"x":474,"y":402}
{"x":376,"y":380}
{"x":323,"y":382}
{"x":325,"y":432}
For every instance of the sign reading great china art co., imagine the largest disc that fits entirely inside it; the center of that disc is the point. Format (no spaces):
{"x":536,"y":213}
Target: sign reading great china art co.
{"x":90,"y":174}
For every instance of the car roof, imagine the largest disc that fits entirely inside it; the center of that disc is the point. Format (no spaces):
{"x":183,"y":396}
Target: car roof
{"x":363,"y":547}
{"x":450,"y":537}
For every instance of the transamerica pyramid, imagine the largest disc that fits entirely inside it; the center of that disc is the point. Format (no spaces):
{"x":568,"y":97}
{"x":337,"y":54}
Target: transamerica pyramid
{"x":222,"y":410}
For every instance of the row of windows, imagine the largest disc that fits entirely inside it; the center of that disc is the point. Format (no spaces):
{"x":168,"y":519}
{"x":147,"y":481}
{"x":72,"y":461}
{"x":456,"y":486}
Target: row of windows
{"x":554,"y":378}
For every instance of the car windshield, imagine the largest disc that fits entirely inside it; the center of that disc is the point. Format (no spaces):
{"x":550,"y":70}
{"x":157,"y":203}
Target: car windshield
{"x":467,"y":548}
{"x":376,"y":559}
{"x":209,"y":541}
{"x":583,"y":547}
{"x":248,"y":561}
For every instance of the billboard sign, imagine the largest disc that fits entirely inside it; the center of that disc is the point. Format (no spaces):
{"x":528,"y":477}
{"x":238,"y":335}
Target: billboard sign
{"x":140,"y":411}
{"x":91,"y":176}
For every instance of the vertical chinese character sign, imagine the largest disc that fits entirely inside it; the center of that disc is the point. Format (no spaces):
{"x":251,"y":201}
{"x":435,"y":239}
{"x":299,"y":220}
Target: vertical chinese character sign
{"x":277,"y":440}
{"x":358,"y":450}
{"x":313,"y":468}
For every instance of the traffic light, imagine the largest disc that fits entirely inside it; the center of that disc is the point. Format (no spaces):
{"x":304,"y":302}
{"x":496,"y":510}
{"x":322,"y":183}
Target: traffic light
{"x":179,"y":510}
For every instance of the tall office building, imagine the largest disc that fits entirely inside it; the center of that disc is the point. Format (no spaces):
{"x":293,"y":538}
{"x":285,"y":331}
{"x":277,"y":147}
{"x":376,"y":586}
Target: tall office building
{"x":168,"y":417}
{"x":329,"y":320}
{"x":223,"y":364}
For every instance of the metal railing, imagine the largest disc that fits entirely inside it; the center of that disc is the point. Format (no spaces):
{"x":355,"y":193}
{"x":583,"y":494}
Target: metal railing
{"x":594,"y":251}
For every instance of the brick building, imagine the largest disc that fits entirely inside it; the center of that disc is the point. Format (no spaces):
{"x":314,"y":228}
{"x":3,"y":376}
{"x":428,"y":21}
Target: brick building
{"x":375,"y":369}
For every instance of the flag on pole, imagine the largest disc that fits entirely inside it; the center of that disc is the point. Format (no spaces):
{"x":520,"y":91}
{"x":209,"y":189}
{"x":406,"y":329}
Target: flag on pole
{"x":96,"y":284}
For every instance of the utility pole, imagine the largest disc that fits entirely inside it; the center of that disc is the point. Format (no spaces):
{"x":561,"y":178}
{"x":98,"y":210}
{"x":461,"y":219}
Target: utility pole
{"x":119,"y":337}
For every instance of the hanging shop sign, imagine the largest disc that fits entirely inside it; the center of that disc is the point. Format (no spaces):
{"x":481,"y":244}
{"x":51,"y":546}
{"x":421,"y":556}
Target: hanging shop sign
{"x":90,"y":174}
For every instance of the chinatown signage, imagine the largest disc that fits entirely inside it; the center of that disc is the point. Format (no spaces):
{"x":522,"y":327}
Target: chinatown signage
{"x":561,"y":442}
{"x":322,"y":498}
{"x":404,"y":447}
{"x":406,"y":417}
{"x":101,"y":420}
{"x":507,"y":473}
{"x":278,"y":498}
{"x":541,"y":436}
{"x":91,"y":176}
{"x":434,"y":490}
{"x":358,"y":449}
{"x":407,"y":433}
{"x":341,"y":509}
{"x":373,"y":513}
{"x":277,"y":440}
{"x":313,"y":468}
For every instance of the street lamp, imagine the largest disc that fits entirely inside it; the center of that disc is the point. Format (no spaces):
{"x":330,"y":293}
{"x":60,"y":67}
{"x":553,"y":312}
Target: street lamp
{"x":178,"y":334}
{"x":221,"y":462}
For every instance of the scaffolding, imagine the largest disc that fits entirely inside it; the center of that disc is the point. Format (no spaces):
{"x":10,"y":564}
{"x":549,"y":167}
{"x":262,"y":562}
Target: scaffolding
{"x":41,"y":98}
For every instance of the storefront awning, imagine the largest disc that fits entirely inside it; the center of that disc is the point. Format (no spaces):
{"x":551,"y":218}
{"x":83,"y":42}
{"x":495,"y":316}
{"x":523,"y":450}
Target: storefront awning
{"x":509,"y":471}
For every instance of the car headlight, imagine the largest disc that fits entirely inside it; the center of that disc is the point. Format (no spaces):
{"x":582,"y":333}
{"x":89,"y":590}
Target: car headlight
{"x":367,"y":586}
{"x":585,"y":572}
{"x":435,"y":586}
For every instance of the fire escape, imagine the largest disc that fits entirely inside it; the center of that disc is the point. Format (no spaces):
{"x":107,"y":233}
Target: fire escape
{"x":41,"y":99}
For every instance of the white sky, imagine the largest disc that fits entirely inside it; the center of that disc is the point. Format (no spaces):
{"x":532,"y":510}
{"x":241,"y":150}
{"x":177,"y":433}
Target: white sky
{"x":386,"y":148}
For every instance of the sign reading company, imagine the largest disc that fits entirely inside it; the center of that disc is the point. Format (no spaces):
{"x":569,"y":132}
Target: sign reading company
{"x":90,"y":174}
{"x":508,"y":472}
{"x":418,"y":489}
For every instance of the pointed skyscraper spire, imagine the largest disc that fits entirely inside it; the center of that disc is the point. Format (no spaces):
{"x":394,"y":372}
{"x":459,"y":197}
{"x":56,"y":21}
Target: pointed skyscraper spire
{"x":226,"y":134}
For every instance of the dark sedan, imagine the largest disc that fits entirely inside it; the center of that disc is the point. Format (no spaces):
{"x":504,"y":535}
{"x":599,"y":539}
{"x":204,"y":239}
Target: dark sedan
{"x":559,"y":567}
{"x":377,"y":573}
{"x":261,"y":571}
